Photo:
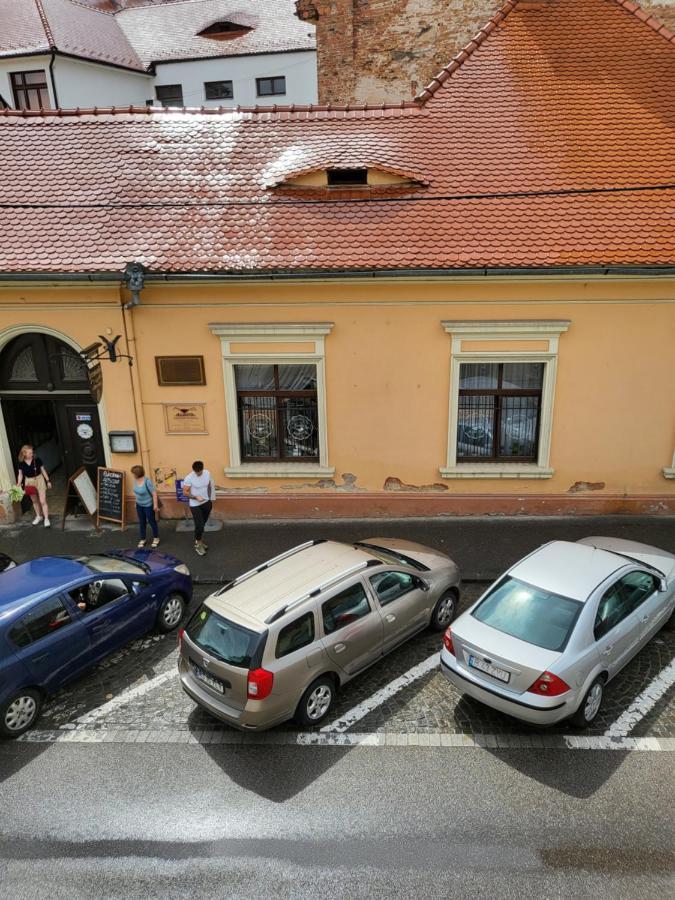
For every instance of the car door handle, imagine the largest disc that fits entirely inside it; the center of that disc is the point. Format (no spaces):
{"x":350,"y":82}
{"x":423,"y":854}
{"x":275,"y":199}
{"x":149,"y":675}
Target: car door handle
{"x":644,"y":619}
{"x":102,"y":626}
{"x":339,"y":648}
{"x":607,"y":650}
{"x":36,"y":659}
{"x":390,"y":617}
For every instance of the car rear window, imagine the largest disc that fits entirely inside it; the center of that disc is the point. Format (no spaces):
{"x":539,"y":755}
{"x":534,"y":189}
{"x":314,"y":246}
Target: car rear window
{"x":529,"y":613}
{"x":227,"y":641}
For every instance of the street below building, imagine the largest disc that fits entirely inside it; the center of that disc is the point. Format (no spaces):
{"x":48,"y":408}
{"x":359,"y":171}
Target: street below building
{"x":126,"y":788}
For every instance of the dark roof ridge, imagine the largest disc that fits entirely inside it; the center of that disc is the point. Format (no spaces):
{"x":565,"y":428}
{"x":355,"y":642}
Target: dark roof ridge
{"x":460,"y":58}
{"x":95,"y":9}
{"x":45,"y":24}
{"x":169,"y":3}
{"x":648,"y":19}
{"x":351,"y":111}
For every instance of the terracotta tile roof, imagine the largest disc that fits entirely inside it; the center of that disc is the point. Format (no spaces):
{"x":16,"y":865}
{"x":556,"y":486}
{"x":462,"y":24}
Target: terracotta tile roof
{"x":171,"y":30}
{"x":551,"y":145}
{"x":35,"y":26}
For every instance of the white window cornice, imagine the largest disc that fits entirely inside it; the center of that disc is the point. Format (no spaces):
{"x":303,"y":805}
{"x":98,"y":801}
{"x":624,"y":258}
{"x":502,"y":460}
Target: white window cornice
{"x":258,"y":331}
{"x":507,"y":328}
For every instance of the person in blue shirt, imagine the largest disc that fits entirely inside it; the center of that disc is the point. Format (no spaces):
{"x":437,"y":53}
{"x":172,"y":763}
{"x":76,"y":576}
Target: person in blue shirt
{"x":147,"y":505}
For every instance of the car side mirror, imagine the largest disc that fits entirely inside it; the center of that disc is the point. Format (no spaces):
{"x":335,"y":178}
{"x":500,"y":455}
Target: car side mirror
{"x":663,"y":584}
{"x":422,"y":585}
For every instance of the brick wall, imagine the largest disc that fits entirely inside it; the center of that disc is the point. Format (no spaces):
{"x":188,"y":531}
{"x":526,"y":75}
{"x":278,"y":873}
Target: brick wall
{"x":371,"y":51}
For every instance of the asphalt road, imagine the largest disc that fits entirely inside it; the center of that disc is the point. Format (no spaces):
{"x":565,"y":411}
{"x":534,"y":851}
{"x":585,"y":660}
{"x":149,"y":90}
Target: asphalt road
{"x":158,"y":821}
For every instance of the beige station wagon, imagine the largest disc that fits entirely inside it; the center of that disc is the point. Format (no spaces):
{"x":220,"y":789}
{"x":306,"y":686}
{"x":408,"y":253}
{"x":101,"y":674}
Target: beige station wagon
{"x":281,"y":639}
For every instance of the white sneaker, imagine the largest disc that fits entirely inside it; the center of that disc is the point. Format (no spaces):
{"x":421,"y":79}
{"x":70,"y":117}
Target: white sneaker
{"x":37,"y":520}
{"x":47,"y":523}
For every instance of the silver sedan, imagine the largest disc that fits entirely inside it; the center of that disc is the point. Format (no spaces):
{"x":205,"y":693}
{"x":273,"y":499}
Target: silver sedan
{"x":544,"y":640}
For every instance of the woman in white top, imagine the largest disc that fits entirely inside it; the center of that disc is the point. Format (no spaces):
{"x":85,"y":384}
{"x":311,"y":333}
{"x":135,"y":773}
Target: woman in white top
{"x":198,"y":486}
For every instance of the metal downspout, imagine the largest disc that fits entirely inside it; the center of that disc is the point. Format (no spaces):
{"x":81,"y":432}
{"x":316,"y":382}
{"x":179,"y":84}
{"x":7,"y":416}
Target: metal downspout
{"x":53,"y":80}
{"x":134,"y":281}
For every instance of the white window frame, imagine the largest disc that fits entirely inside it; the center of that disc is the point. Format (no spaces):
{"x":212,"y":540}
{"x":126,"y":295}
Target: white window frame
{"x":510,"y":331}
{"x":272,"y":335}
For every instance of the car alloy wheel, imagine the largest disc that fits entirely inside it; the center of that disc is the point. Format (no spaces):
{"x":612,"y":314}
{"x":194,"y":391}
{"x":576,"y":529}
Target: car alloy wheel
{"x":444,"y":611}
{"x":592,"y":702}
{"x":171,"y":612}
{"x":319,"y":701}
{"x":20,"y":714}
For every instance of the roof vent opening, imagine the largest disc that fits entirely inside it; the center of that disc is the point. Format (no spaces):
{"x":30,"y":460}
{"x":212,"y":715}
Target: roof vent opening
{"x":347,"y":177}
{"x":224,"y":31}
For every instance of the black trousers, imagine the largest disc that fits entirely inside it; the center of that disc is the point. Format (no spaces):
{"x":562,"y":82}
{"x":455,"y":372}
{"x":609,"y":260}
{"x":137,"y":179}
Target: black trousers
{"x":201,"y":515}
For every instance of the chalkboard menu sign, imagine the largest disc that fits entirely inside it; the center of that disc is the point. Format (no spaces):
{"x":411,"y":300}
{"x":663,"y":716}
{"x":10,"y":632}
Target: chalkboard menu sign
{"x":110,"y":495}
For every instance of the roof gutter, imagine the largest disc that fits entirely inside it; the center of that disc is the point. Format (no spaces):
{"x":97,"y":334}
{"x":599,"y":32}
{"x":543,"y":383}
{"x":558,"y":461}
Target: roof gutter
{"x":658,"y":271}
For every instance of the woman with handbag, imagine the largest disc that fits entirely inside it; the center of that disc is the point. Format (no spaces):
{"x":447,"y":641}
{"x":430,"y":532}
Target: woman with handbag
{"x":34,"y":480}
{"x":147,"y":505}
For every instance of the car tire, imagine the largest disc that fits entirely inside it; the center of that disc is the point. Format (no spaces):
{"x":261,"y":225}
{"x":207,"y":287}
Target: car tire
{"x":590,"y":705}
{"x":316,"y":702}
{"x":19,"y":713}
{"x":444,"y":611}
{"x":170,"y":612}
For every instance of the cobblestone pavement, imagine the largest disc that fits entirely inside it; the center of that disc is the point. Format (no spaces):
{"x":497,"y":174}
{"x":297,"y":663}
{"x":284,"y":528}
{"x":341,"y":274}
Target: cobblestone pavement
{"x":429,"y":705}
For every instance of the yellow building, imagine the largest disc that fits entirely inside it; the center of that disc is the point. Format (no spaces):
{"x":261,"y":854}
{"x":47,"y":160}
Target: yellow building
{"x":460,"y":305}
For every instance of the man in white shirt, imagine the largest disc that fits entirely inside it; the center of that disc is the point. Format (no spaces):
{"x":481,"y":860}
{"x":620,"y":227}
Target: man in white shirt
{"x":198,"y":486}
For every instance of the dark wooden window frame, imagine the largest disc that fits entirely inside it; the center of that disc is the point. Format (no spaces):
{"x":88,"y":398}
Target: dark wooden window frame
{"x":278,"y":394}
{"x":498,"y":393}
{"x":211,"y":86}
{"x":167,"y":102}
{"x":272,"y":79}
{"x":161,"y":380}
{"x":21,"y":89}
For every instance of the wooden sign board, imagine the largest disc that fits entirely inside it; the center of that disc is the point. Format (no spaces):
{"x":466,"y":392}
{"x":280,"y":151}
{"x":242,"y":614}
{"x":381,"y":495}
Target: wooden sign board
{"x":80,"y":487}
{"x":110,"y":496}
{"x":185,"y":418}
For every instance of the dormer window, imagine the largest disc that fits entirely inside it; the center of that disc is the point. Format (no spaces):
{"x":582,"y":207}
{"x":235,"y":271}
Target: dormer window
{"x":347,"y":177}
{"x":223,"y":31}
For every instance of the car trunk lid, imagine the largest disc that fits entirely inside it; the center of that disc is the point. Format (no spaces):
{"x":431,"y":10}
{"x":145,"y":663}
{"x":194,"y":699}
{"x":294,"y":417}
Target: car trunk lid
{"x":499,"y":659}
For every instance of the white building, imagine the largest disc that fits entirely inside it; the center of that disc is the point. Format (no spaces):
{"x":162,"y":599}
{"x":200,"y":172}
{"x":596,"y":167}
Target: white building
{"x":59,"y":53}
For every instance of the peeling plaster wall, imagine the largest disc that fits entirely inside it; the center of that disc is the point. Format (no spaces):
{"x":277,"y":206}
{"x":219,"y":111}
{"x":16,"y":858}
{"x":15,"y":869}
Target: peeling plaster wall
{"x":372,"y":51}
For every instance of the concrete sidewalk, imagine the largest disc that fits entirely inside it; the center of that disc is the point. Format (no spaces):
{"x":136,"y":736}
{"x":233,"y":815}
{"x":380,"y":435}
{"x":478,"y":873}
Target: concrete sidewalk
{"x":482,"y":547}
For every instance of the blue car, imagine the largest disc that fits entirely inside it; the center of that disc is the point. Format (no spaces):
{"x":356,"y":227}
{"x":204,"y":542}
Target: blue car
{"x":59,"y":616}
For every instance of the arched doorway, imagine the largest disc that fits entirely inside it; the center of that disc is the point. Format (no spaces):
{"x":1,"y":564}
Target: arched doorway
{"x":44,"y":396}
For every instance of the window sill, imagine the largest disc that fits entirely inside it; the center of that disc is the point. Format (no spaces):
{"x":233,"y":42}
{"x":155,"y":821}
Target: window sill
{"x":669,"y":473}
{"x":497,"y":470}
{"x":279,"y":470}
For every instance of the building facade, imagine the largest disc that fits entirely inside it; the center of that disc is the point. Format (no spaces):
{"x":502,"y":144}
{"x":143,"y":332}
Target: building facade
{"x":212,"y":53}
{"x":365,"y":312}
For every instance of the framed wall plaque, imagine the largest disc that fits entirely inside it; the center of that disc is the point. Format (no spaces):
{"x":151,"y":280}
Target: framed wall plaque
{"x":180,"y":370}
{"x":185,"y":418}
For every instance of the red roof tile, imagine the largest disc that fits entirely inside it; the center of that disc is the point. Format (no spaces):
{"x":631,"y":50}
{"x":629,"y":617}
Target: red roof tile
{"x":549,"y":146}
{"x":34,"y":26}
{"x":171,"y":30}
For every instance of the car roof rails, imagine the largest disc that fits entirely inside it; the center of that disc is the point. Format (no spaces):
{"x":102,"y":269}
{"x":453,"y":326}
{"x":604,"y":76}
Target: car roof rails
{"x":268,"y":563}
{"x":334,"y":579}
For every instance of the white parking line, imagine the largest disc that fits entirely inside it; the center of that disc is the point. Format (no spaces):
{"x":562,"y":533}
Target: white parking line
{"x":356,"y":713}
{"x":125,"y":697}
{"x":643,"y":703}
{"x":391,"y":740}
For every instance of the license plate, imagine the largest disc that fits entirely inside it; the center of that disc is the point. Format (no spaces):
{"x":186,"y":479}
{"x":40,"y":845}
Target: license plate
{"x":490,"y":669}
{"x":212,"y":682}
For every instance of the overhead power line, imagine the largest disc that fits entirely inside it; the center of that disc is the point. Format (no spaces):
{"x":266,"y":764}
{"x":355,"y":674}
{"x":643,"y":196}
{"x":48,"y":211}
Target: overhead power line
{"x":205,"y":204}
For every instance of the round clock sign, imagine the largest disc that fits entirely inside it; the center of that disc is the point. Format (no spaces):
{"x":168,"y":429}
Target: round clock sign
{"x":85,"y":431}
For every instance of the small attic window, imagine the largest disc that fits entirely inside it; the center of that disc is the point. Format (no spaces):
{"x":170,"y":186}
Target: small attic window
{"x":223,"y":31}
{"x":347,"y":177}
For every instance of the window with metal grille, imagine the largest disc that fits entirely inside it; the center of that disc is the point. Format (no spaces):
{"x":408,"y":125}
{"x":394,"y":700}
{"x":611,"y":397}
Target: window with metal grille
{"x":218,"y":90}
{"x":169,"y":94}
{"x":277,"y":410}
{"x":499,"y":411}
{"x":30,"y":90}
{"x":269,"y":87}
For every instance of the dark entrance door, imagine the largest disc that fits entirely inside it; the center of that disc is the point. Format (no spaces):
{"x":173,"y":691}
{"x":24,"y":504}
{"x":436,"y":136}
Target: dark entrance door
{"x":44,"y":399}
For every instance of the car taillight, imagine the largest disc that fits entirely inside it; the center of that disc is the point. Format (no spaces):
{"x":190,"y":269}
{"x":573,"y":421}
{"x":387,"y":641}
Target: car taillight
{"x":447,"y":641}
{"x":180,"y":640}
{"x":259,"y":684}
{"x":548,"y":685}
